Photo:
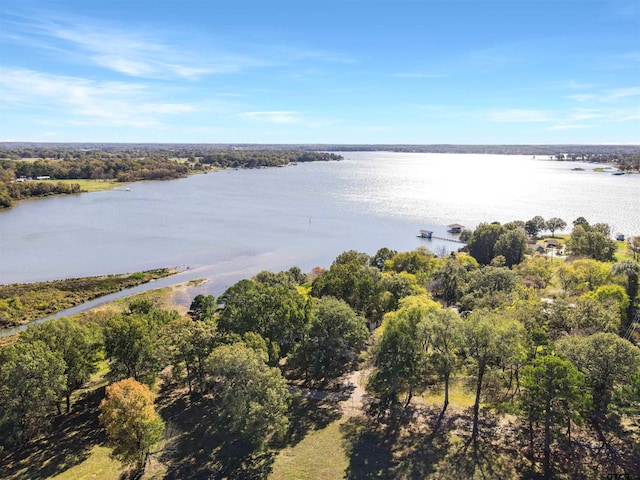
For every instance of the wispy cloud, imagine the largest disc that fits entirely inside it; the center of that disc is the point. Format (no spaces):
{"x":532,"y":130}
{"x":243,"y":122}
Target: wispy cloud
{"x":86,"y":101}
{"x":619,"y":93}
{"x":144,"y":53}
{"x":569,"y":119}
{"x":606,"y":96}
{"x":273,"y":116}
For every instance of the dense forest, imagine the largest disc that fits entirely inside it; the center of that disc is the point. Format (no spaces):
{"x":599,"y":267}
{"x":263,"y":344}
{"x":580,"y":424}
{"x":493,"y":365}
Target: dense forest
{"x":515,"y":358}
{"x":23,"y":169}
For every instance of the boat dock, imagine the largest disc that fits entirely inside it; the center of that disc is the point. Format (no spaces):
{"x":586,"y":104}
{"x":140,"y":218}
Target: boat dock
{"x":454,"y":228}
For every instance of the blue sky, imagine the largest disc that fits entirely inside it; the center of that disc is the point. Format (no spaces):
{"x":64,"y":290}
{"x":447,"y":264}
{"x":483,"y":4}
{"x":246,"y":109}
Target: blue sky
{"x":348,"y":71}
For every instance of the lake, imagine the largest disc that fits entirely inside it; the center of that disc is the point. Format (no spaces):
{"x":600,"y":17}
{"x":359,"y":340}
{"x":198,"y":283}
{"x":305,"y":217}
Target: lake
{"x":231,"y":224}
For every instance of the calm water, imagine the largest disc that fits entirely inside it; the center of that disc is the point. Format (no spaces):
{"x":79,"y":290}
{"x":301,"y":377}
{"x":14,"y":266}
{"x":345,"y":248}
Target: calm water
{"x":231,"y":224}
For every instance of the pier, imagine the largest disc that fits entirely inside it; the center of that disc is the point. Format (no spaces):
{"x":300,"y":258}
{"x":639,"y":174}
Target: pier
{"x":447,"y":239}
{"x":428,"y":234}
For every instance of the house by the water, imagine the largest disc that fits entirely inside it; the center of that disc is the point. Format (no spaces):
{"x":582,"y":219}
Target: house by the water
{"x":455,"y":228}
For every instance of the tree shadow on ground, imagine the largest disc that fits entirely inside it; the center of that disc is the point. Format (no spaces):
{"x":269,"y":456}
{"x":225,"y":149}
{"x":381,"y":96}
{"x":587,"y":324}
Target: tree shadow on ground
{"x":424,"y":444}
{"x":67,"y":443}
{"x":492,"y":455}
{"x":369,"y":446}
{"x":201,"y":448}
{"x":306,"y":414}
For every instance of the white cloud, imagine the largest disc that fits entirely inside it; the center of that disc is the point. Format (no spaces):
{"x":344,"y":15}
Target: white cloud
{"x":617,"y":94}
{"x":140,"y":52}
{"x":273,"y":116}
{"x":87,"y":101}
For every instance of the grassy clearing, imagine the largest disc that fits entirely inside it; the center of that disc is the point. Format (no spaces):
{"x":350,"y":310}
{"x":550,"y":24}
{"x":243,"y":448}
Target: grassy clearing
{"x":90,"y":185}
{"x":318,"y":456}
{"x":98,"y":466}
{"x":460,"y":396}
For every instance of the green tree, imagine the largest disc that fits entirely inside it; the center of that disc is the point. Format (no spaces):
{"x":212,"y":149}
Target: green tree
{"x":591,"y":273}
{"x":489,"y":340}
{"x":552,"y":394}
{"x":251,"y":397}
{"x":335,"y":336}
{"x":32,"y":381}
{"x":591,"y":243}
{"x":607,"y":361}
{"x":203,"y":307}
{"x":631,"y":270}
{"x":554,"y":224}
{"x":441,"y":331}
{"x":132,"y":343}
{"x":400,"y":355}
{"x":512,"y":245}
{"x":535,"y":225}
{"x":381,"y":256}
{"x":535,"y":271}
{"x":278,"y":313}
{"x":352,"y":279}
{"x":416,"y":262}
{"x":189,"y":344}
{"x":590,"y":316}
{"x":482,"y":243}
{"x":77,"y":345}
{"x":612,"y":297}
{"x":488,"y":287}
{"x":633,"y":243}
{"x":451,"y":277}
{"x":131,"y":422}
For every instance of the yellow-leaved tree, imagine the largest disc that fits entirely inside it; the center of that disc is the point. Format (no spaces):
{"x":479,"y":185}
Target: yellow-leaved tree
{"x":131,"y":421}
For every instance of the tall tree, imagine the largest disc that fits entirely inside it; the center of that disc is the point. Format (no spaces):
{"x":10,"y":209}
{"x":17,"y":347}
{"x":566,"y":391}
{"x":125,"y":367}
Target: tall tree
{"x":76,"y":344}
{"x":203,"y":307}
{"x":612,"y":367}
{"x":335,"y":336}
{"x":535,"y":225}
{"x":32,"y":381}
{"x":189,"y":344}
{"x":251,"y":397}
{"x":633,"y":243}
{"x":489,"y":340}
{"x":133,"y":344}
{"x":591,"y":243}
{"x":631,"y":270}
{"x":352,"y":279}
{"x":276,"y":312}
{"x":442,"y":333}
{"x":132,"y":424}
{"x":400,"y":356}
{"x":553,"y":395}
{"x":452,"y":276}
{"x":554,"y":224}
{"x":381,"y":256}
{"x":482,"y":243}
{"x":512,"y":245}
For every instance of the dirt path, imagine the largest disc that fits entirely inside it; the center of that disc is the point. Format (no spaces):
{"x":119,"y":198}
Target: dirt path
{"x":352,"y":382}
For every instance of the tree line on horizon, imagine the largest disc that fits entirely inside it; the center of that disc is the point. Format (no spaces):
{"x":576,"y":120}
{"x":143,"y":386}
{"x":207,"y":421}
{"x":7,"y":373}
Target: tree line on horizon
{"x":19,"y":177}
